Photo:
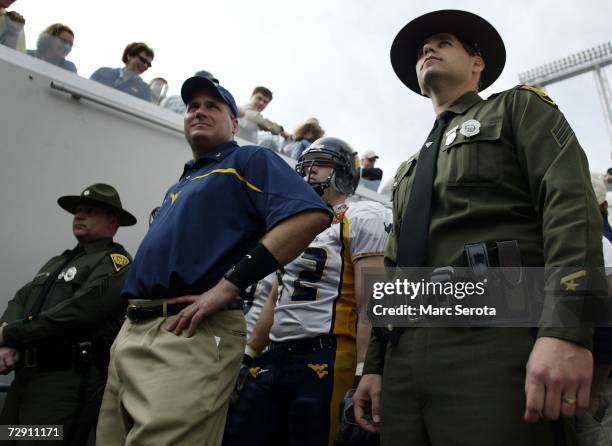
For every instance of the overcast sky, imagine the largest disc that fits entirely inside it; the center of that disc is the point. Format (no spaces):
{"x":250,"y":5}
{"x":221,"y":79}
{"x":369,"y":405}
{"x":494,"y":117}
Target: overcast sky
{"x":330,"y":58}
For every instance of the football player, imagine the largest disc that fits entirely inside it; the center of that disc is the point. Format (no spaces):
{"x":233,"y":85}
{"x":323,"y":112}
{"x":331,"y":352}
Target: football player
{"x":316,"y":318}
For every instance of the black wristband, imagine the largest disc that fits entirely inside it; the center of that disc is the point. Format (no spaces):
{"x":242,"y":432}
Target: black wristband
{"x":252,"y":268}
{"x":247,"y":360}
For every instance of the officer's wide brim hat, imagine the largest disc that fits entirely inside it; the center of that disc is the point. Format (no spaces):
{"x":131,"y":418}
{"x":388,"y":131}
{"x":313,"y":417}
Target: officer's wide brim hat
{"x":99,"y":195}
{"x":470,"y":28}
{"x":197,"y":84}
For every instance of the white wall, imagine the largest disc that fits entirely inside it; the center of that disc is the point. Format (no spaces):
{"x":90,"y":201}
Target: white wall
{"x":52,"y":144}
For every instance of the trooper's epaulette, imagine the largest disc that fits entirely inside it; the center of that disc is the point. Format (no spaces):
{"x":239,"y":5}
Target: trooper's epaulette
{"x":120,"y":261}
{"x":541,"y":94}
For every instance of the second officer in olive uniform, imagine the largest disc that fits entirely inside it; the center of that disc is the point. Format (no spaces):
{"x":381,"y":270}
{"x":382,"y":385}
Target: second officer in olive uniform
{"x":508,"y":168}
{"x":57,"y":330}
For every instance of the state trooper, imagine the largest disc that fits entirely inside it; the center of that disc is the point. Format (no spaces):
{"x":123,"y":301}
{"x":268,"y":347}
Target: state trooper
{"x":508,"y":168}
{"x":57,"y":331}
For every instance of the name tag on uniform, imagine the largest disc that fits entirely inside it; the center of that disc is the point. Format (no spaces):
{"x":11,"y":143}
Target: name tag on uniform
{"x":451,"y":135}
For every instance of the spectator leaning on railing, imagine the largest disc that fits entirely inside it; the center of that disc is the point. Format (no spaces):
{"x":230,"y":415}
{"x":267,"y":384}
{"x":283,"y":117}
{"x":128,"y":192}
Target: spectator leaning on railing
{"x":251,"y":119}
{"x":54,"y":44}
{"x":11,"y":27}
{"x":137,"y":58}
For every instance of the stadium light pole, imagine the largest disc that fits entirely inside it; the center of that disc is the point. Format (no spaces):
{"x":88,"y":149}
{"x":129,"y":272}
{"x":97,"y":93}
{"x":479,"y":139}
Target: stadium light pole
{"x":594,"y":59}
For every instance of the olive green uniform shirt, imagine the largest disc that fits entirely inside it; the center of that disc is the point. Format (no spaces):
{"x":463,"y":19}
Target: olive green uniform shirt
{"x":522,"y":177}
{"x":83,"y":302}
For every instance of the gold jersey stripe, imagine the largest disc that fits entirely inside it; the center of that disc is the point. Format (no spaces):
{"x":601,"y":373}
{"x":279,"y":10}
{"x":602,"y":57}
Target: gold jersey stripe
{"x":231,"y":171}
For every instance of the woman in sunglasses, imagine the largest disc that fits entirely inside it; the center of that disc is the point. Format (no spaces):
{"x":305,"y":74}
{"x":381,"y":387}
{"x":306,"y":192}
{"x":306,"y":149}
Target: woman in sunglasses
{"x":137,"y":58}
{"x":54,"y":44}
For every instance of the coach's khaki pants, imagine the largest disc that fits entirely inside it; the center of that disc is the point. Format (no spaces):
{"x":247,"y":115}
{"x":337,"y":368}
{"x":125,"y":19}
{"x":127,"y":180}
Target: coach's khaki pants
{"x":165,"y":389}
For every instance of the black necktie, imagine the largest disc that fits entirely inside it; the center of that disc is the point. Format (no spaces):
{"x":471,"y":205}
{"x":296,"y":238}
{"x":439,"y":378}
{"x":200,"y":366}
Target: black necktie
{"x":412,"y":246}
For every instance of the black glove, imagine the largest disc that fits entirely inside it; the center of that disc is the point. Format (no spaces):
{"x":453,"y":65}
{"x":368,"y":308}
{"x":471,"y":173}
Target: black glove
{"x":350,"y":433}
{"x":247,"y":362}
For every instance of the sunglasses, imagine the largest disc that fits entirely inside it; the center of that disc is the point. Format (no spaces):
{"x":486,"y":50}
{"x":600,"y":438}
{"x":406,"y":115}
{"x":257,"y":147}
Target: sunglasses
{"x":145,"y":61}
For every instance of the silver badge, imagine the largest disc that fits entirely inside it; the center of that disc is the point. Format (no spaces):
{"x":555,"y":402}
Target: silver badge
{"x":85,"y":193}
{"x":70,"y":273}
{"x":450,"y":138}
{"x":469,"y":128}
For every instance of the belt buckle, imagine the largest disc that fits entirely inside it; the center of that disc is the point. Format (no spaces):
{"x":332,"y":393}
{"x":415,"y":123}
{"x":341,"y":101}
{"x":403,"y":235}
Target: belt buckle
{"x":131,"y":308}
{"x":30,"y":358}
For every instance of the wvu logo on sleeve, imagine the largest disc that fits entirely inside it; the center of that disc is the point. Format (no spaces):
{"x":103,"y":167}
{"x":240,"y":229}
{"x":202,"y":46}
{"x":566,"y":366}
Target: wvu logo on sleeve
{"x":174,"y":196}
{"x":319,"y":369}
{"x":570,"y":280}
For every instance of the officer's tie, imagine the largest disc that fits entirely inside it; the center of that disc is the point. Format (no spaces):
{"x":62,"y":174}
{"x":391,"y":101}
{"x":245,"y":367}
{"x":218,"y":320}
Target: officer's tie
{"x":412,"y":247}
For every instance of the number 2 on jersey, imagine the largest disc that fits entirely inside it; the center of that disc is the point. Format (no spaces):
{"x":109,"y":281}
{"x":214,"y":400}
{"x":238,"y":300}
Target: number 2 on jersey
{"x":310,"y":276}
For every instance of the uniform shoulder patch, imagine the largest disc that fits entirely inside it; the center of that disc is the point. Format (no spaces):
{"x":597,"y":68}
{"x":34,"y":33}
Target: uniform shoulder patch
{"x":562,"y":132}
{"x":119,"y":261}
{"x":540,"y":94}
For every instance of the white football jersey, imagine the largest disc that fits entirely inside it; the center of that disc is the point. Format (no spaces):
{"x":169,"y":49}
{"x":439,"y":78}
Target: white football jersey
{"x":317,"y":293}
{"x":254,"y":298}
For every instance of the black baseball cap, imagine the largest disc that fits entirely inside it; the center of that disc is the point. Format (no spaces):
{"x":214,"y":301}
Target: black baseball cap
{"x":470,"y":28}
{"x":196,"y":84}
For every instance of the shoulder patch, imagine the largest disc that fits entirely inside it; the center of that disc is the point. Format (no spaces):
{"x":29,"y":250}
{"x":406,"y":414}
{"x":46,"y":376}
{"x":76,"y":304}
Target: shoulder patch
{"x":562,"y":132}
{"x":119,"y":261}
{"x":540,"y":94}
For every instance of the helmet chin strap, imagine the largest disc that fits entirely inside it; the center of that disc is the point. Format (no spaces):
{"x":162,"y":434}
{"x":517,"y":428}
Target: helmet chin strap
{"x":320,"y":186}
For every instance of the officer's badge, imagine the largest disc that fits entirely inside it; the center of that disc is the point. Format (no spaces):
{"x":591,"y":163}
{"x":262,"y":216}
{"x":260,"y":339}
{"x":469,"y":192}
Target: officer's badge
{"x":470,"y":128}
{"x":319,"y":369}
{"x":254,"y":371}
{"x":540,"y":94}
{"x":69,"y":273}
{"x":119,"y":261}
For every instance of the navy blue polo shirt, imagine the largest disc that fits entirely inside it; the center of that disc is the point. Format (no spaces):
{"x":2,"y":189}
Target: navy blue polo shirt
{"x":221,"y":207}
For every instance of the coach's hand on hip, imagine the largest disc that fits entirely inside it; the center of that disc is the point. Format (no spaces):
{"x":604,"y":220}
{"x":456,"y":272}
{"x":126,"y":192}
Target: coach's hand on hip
{"x":202,"y":305}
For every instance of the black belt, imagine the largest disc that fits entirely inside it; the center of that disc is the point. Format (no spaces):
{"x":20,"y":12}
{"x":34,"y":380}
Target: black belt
{"x":61,"y":355}
{"x":143,"y":313}
{"x":304,"y":345}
